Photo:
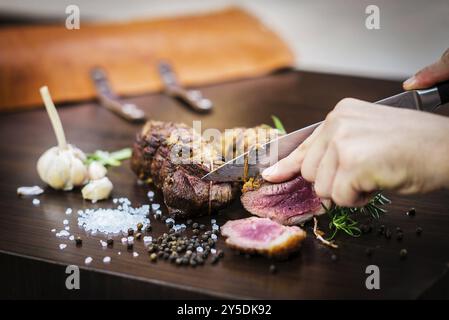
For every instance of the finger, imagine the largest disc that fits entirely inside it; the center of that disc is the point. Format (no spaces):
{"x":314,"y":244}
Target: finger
{"x":290,"y":166}
{"x":313,"y":158}
{"x":326,"y":173}
{"x":430,"y":75}
{"x":343,"y":193}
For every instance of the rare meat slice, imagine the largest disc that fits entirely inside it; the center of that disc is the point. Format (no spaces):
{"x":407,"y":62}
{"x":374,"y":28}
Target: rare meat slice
{"x":288,"y":203}
{"x":263,"y":236}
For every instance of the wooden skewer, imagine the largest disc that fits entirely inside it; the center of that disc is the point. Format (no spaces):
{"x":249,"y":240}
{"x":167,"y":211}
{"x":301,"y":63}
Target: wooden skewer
{"x":54,"y":117}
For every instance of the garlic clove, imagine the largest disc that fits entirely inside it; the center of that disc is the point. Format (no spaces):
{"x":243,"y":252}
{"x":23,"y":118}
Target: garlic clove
{"x":78,"y":172}
{"x":97,"y":189}
{"x":96,"y":170}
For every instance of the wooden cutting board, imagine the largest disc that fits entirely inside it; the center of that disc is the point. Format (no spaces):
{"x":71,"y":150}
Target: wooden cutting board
{"x":32,"y":265}
{"x":208,"y":48}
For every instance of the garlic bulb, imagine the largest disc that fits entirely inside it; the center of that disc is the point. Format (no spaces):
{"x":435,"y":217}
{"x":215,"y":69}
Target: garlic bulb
{"x":97,"y":189}
{"x":63,"y":168}
{"x":96,"y":170}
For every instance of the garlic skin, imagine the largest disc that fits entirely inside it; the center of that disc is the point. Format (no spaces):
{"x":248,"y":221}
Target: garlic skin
{"x":62,"y":169}
{"x":97,"y":189}
{"x":96,"y":170}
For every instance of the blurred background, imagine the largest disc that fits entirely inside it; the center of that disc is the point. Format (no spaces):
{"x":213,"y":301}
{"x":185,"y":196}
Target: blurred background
{"x":207,"y":42}
{"x":325,"y":35}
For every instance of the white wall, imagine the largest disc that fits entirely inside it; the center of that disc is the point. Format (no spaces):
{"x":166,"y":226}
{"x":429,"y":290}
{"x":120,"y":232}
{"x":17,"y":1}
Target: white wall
{"x":326,"y":35}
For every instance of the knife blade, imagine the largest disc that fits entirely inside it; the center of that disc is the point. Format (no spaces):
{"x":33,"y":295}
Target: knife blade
{"x":257,"y":159}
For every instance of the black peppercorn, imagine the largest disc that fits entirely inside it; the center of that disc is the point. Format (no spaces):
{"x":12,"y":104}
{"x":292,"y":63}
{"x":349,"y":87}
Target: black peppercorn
{"x":130,"y":232}
{"x":138,"y":235}
{"x":403,"y":253}
{"x":110,"y":242}
{"x":78,"y":241}
{"x":411,"y":212}
{"x":130,"y":245}
{"x":418,"y":231}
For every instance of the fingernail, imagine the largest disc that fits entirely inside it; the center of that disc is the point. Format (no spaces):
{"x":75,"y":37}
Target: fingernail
{"x":269,"y":171}
{"x":409,"y":83}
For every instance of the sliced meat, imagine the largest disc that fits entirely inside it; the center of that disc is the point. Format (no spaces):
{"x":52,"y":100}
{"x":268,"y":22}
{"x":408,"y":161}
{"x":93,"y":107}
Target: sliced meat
{"x":262,"y":236}
{"x":288,"y":203}
{"x":185,"y":194}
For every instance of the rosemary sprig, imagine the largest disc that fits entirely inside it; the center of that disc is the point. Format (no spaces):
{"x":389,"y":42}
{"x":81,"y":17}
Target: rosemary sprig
{"x":342,"y":218}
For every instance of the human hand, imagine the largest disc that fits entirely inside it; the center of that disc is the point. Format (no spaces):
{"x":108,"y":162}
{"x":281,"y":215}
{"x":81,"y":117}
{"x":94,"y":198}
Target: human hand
{"x":430,"y":75}
{"x":363,"y":147}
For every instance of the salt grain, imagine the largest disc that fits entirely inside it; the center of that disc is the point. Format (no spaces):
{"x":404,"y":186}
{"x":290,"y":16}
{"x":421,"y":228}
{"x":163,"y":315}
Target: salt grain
{"x":103,"y":243}
{"x":155,"y":206}
{"x":213,"y":251}
{"x":213,"y":221}
{"x":36,"y":202}
{"x":215,"y":227}
{"x":88,"y":260}
{"x":62,"y":233}
{"x":119,"y":253}
{"x":213,"y":236}
{"x":68,"y":211}
{"x":65,"y":222}
{"x":150,"y":194}
{"x":67,"y":228}
{"x":107,"y":259}
{"x":124,"y":240}
{"x":53,"y":230}
{"x":130,"y":239}
{"x":62,"y":246}
{"x":29,"y":191}
{"x":147,"y":239}
{"x":72,"y":237}
{"x":199,"y":249}
{"x":135,"y":254}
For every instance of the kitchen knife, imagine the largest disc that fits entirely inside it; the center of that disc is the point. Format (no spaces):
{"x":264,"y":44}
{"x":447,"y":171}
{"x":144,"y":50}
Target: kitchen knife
{"x":254,"y":161}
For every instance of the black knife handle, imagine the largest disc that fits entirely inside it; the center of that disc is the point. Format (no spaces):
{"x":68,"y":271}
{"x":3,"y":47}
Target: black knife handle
{"x":443,"y":91}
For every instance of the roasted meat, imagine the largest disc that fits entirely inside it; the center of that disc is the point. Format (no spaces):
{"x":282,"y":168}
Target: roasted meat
{"x":262,"y":236}
{"x":288,"y":203}
{"x":156,"y":156}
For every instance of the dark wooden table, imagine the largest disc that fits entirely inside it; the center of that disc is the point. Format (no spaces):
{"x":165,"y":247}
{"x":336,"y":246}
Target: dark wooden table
{"x":33,"y":266}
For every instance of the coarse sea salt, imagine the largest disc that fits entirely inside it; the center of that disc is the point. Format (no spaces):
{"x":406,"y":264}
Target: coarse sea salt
{"x":29,"y":191}
{"x":103,"y":243}
{"x":62,"y":233}
{"x":135,"y":254}
{"x":147,"y":239}
{"x":67,"y":228}
{"x":107,"y":259}
{"x":88,"y":260}
{"x":62,"y":246}
{"x":65,"y":222}
{"x":36,"y":202}
{"x":114,"y":220}
{"x":53,"y":230}
{"x":72,"y":237}
{"x":68,"y":211}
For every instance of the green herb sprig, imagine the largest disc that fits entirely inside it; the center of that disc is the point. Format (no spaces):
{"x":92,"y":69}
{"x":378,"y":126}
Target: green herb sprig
{"x":278,"y":124}
{"x":342,"y":218}
{"x":113,"y":159}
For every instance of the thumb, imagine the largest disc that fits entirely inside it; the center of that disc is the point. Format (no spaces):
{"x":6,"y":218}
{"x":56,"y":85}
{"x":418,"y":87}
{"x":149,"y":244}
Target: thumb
{"x":430,"y":75}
